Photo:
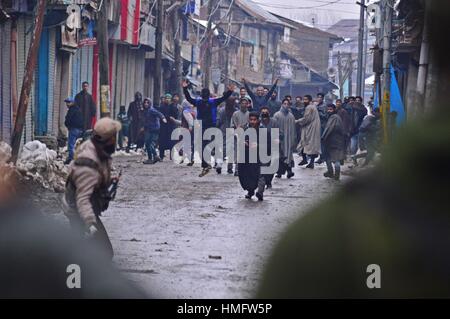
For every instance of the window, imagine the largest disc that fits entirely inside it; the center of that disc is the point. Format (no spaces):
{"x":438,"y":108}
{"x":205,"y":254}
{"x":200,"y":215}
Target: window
{"x":287,"y":35}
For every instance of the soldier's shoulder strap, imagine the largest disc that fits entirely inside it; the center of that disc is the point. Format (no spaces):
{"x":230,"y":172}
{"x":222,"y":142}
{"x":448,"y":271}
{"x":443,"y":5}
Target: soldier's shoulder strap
{"x":84,"y":161}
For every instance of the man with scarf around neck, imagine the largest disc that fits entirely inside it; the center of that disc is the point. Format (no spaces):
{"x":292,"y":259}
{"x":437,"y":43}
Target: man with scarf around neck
{"x":286,"y":123}
{"x":86,"y":194}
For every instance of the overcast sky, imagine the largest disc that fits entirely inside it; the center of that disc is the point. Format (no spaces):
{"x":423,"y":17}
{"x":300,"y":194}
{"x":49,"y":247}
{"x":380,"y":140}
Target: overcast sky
{"x":324,"y":12}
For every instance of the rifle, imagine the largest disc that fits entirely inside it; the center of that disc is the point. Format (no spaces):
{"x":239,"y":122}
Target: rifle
{"x":112,"y":189}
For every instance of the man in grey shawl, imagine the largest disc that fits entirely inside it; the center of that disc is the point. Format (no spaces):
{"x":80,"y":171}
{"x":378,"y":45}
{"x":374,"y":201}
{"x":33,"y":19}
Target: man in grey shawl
{"x":310,"y":128}
{"x":239,"y":119}
{"x":333,"y":141}
{"x":285,"y":121}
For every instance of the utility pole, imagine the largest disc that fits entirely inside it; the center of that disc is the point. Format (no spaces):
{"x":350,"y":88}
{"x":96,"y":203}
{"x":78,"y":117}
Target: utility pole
{"x":177,"y":50}
{"x":365,"y":54}
{"x":350,"y":74}
{"x":361,"y":48}
{"x":387,"y":34}
{"x":27,"y":80}
{"x":103,"y":59}
{"x":340,"y":76}
{"x":158,"y":53}
{"x":423,"y":64}
{"x":208,"y":51}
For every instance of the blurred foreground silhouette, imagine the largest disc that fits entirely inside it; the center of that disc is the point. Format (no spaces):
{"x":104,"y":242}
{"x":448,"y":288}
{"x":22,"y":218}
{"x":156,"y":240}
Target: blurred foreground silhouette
{"x":35,"y":254}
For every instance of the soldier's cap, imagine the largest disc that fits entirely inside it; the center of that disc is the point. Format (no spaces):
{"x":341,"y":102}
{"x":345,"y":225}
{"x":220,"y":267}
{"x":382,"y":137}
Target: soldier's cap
{"x":69,"y":100}
{"x":168,"y":96}
{"x":105,"y":128}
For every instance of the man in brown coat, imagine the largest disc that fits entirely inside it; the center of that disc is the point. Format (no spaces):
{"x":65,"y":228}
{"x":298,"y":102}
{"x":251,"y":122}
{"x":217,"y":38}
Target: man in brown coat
{"x":86,"y":195}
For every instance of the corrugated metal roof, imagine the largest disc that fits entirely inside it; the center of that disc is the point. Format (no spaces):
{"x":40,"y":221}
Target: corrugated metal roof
{"x":258,"y":12}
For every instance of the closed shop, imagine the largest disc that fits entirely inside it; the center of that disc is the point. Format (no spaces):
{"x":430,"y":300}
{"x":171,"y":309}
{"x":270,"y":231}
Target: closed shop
{"x":5,"y":82}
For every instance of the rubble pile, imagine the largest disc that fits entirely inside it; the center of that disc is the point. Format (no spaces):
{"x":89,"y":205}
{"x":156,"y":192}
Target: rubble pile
{"x":41,"y":164}
{"x":5,"y":153}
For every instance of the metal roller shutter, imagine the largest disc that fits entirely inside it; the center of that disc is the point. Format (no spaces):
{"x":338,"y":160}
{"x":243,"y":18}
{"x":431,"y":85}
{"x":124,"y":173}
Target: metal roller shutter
{"x":5,"y":85}
{"x":122,"y":63}
{"x":24,"y":34}
{"x":76,"y":85}
{"x":140,"y":67}
{"x":51,"y":80}
{"x":32,"y":104}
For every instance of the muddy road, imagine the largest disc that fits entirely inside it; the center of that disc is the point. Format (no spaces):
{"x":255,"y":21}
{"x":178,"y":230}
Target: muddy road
{"x":180,"y":236}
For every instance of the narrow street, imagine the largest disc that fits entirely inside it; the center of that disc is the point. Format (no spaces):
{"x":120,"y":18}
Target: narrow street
{"x":180,"y":236}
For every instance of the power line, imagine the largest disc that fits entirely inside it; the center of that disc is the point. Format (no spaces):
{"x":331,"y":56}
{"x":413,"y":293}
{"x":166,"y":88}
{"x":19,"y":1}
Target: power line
{"x":281,"y":6}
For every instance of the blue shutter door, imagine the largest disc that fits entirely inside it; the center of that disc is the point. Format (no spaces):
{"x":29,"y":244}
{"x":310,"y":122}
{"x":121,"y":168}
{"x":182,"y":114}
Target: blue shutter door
{"x":42,"y":85}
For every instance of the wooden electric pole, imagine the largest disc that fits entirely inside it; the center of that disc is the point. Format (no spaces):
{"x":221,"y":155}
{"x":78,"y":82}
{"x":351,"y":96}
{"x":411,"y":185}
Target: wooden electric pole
{"x":350,"y":74}
{"x":177,"y":51}
{"x":158,"y":53}
{"x":340,"y":76}
{"x":208,"y":50}
{"x":387,"y":38}
{"x":103,"y":59}
{"x":27,"y":80}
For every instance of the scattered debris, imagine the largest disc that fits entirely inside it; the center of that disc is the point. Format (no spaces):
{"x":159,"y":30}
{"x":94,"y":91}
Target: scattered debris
{"x":214,"y":257}
{"x":139,"y":271}
{"x":5,"y":152}
{"x":207,"y":215}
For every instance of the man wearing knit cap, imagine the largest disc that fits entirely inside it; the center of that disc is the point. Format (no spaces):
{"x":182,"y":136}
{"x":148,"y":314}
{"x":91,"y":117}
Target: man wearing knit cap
{"x":87,"y":195}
